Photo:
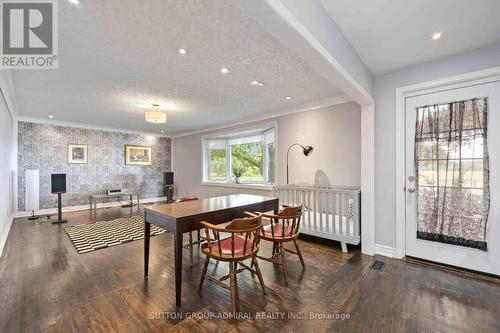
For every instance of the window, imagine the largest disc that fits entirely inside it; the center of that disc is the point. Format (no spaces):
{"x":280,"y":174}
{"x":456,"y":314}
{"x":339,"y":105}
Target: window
{"x":251,"y":153}
{"x":217,"y":160}
{"x":452,"y":168}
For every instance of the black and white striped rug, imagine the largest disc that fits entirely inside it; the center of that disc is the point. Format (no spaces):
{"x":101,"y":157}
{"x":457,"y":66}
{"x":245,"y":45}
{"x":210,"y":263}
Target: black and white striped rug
{"x":99,"y":235}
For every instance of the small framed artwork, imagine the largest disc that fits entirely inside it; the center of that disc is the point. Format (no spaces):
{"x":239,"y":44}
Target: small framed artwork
{"x":138,"y":155}
{"x":78,"y":154}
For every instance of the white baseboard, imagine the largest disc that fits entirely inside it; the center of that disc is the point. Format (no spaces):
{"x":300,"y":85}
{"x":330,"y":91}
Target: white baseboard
{"x":3,"y":238}
{"x":68,"y":209}
{"x":385,"y":251}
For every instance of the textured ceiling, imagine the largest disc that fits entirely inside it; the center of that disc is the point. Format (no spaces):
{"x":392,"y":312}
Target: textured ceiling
{"x":116,"y":58}
{"x":390,"y":34}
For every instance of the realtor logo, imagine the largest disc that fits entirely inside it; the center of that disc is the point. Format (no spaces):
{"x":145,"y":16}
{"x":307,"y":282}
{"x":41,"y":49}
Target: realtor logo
{"x":29,"y":34}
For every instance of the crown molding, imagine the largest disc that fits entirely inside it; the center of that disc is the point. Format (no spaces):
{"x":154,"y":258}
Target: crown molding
{"x":331,"y":101}
{"x":8,"y":93}
{"x":85,"y":126}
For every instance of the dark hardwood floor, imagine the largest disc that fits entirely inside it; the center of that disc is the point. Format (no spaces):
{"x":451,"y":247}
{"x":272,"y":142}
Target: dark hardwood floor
{"x":45,"y":286}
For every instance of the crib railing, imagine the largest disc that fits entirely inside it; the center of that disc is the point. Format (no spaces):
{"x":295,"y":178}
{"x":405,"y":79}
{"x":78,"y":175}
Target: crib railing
{"x":329,"y":212}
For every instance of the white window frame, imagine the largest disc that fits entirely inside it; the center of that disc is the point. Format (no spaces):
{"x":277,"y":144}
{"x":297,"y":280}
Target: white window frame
{"x":234,"y":134}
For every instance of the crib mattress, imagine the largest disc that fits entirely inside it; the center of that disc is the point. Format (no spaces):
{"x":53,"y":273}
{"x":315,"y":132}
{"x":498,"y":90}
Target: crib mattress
{"x":327,"y":223}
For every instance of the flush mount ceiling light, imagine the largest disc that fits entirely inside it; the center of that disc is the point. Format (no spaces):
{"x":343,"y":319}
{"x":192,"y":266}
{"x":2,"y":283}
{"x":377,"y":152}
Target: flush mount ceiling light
{"x":257,"y":83}
{"x":437,"y":35}
{"x":288,"y":97}
{"x":224,"y":70}
{"x":182,"y":51}
{"x":156,"y":116}
{"x":74,"y":2}
{"x":51,"y":116}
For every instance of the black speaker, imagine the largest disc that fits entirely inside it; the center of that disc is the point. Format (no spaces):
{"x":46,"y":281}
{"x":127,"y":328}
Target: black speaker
{"x":58,"y":182}
{"x":168,"y":178}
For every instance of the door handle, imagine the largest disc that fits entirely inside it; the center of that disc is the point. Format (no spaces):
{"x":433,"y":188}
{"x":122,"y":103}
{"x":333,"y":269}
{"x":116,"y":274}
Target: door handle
{"x":411,"y":190}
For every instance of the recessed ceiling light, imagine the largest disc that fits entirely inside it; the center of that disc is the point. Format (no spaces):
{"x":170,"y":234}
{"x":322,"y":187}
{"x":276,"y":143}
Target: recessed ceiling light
{"x":437,"y":35}
{"x":224,"y":70}
{"x":74,"y":1}
{"x":257,"y":83}
{"x":51,"y":116}
{"x":162,"y":131}
{"x":182,"y":51}
{"x":288,"y":97}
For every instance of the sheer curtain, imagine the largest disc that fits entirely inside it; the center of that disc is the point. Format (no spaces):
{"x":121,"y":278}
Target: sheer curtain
{"x":452,"y":173}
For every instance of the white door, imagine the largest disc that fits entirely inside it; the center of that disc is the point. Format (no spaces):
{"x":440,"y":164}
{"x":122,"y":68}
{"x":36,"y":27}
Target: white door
{"x":443,"y":250}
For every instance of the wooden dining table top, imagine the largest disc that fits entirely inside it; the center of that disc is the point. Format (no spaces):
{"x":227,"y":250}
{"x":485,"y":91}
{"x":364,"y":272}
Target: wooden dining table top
{"x":197,"y":207}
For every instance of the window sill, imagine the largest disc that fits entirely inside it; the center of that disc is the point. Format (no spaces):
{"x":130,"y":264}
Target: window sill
{"x":253,"y":186}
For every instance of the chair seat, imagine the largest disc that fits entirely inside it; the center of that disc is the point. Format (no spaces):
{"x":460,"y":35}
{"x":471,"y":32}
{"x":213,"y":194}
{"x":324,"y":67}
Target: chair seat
{"x":226,"y":246}
{"x":278,"y":230}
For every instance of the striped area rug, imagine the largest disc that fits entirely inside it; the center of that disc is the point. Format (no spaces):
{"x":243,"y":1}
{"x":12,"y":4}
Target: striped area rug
{"x":99,"y":235}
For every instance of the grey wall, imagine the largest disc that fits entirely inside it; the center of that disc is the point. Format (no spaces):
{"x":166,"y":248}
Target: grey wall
{"x":385,"y":147}
{"x":334,"y":132}
{"x":44,"y":147}
{"x":6,"y":168}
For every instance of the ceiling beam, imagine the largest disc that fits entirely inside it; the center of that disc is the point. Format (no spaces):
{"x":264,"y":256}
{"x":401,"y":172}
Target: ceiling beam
{"x":306,"y":28}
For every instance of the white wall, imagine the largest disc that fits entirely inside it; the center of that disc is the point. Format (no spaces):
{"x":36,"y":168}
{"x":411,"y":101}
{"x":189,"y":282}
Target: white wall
{"x":7,"y":160}
{"x":385,"y":86}
{"x":333,"y":131}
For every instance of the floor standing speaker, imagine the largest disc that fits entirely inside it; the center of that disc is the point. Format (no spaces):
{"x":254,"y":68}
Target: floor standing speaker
{"x":58,"y":186}
{"x":32,"y":192}
{"x":168,"y":182}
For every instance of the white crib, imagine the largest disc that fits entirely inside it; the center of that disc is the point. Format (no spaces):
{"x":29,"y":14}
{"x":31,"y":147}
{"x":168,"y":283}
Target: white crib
{"x":329,"y":212}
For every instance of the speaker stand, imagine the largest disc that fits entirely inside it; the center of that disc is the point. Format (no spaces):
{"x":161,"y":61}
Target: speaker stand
{"x":59,"y":210}
{"x":170,"y":193}
{"x":33,"y":217}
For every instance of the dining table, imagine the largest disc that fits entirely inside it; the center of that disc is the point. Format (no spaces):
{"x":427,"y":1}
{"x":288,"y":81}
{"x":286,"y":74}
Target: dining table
{"x":181,"y":217}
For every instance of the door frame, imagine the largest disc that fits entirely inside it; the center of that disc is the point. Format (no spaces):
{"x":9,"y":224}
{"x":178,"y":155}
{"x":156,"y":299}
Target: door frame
{"x":402,"y":93}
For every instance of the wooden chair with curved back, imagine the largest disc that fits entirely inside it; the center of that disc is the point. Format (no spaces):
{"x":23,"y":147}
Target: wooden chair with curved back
{"x":283,"y":228}
{"x":241,"y":243}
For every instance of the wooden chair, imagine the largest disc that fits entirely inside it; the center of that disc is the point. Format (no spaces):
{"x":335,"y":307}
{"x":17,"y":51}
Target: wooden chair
{"x":283,"y":228}
{"x":199,"y":238}
{"x":242,"y":243}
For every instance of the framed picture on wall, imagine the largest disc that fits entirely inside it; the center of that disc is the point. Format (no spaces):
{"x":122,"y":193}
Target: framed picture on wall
{"x":138,"y":155}
{"x":78,"y":154}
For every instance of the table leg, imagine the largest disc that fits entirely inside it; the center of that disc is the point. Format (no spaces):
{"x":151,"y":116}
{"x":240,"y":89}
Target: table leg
{"x":178,"y":265}
{"x":147,"y":235}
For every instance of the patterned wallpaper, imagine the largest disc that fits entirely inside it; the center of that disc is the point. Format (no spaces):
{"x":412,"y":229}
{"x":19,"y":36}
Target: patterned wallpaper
{"x":44,"y":147}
